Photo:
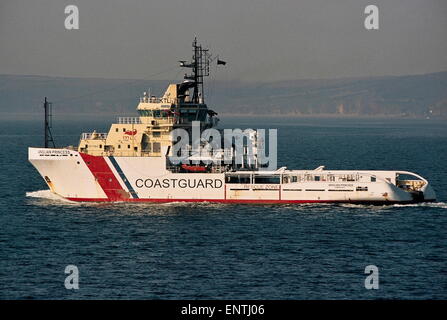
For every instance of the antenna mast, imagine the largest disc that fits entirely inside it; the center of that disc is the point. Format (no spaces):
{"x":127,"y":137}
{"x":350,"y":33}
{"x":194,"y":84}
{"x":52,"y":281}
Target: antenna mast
{"x":200,"y":66}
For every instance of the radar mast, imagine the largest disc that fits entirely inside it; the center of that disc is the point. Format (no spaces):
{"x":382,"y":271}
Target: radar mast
{"x":200,"y":68}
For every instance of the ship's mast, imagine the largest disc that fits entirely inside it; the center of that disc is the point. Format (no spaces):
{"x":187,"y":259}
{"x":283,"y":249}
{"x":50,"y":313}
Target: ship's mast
{"x":47,"y":123}
{"x":200,"y":67}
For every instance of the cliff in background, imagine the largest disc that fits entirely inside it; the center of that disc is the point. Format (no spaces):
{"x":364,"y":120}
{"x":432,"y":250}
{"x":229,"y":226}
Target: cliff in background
{"x":404,"y":96}
{"x":400,"y":96}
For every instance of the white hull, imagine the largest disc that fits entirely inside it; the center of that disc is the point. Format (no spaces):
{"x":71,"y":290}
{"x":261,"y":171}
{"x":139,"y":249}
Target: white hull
{"x":80,"y":177}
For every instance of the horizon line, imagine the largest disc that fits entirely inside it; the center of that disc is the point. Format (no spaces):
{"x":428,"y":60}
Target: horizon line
{"x":242,"y":81}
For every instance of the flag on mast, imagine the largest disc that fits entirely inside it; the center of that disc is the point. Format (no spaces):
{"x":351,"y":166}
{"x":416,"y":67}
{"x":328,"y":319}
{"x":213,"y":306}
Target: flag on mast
{"x":221,"y":62}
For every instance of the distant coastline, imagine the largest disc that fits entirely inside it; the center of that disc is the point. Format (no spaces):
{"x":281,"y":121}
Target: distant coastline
{"x":10,"y":116}
{"x":408,"y":97}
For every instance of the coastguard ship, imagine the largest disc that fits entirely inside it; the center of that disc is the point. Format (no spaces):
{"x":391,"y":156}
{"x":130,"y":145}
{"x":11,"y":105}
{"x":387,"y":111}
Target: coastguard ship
{"x":133,"y":162}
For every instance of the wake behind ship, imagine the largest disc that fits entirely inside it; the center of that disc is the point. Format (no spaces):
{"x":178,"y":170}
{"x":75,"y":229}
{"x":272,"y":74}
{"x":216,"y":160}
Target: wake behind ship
{"x":133,"y":162}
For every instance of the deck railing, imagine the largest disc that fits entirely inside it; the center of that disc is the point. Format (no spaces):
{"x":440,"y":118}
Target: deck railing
{"x":129,"y":120}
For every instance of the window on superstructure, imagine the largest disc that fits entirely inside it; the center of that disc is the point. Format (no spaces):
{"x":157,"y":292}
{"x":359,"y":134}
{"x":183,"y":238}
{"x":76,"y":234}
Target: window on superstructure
{"x":145,"y":113}
{"x":119,"y":146}
{"x":373,"y":179}
{"x":124,"y":129}
{"x":157,"y":113}
{"x":128,"y":146}
{"x":192,"y":115}
{"x":116,"y":130}
{"x":156,"y":134}
{"x":238,"y":179}
{"x":145,"y":144}
{"x":294,"y":178}
{"x":156,"y":147}
{"x":202,"y":115}
{"x":267,"y":179}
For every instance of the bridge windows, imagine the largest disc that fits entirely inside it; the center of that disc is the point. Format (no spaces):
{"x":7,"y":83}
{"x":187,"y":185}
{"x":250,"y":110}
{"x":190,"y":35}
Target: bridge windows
{"x":145,"y":113}
{"x":192,"y":115}
{"x":156,"y":113}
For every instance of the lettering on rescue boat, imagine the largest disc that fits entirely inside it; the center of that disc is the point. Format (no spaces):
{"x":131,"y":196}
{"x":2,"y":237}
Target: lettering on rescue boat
{"x":179,"y":183}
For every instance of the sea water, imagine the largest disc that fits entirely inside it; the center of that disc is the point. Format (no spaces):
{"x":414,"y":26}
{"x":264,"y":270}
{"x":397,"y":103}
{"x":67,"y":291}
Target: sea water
{"x":230,"y":251}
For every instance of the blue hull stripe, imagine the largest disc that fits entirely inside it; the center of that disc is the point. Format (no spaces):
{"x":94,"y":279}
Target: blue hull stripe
{"x":123,"y":177}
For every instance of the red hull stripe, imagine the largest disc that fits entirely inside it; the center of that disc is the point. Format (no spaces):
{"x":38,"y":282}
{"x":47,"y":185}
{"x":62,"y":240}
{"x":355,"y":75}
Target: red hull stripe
{"x":106,"y":179}
{"x":239,"y":201}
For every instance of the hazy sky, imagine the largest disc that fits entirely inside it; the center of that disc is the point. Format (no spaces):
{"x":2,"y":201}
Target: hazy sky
{"x":260,"y":39}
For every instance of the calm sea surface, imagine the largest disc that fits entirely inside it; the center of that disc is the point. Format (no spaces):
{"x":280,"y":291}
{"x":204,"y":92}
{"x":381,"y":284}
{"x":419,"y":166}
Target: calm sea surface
{"x":209,"y":251}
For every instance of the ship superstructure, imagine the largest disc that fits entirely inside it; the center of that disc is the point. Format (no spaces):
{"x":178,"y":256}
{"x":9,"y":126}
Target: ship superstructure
{"x":146,"y":134}
{"x":134,"y":161}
